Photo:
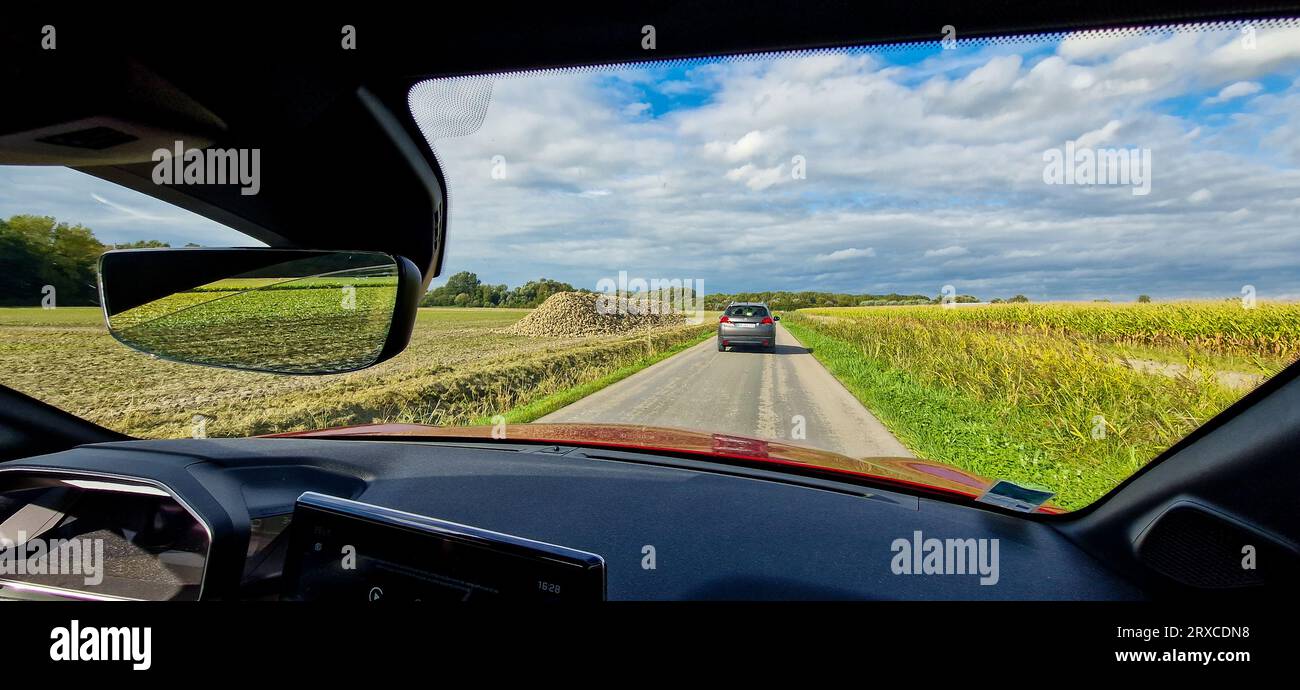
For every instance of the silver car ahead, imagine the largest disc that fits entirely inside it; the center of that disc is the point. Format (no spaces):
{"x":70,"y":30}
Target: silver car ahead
{"x":747,"y":323}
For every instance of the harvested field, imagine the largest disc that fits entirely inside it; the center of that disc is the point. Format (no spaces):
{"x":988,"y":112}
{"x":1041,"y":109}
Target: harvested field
{"x":460,"y":366}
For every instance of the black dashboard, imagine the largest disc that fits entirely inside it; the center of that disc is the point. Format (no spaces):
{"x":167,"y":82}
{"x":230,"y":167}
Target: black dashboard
{"x":222,"y":519}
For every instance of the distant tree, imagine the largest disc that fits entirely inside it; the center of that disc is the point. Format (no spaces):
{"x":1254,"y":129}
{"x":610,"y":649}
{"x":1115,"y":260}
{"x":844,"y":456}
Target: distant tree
{"x":463,"y":282}
{"x":146,"y":244}
{"x":456,"y":292}
{"x":1018,"y":298}
{"x":534,"y":292}
{"x":1144,"y":298}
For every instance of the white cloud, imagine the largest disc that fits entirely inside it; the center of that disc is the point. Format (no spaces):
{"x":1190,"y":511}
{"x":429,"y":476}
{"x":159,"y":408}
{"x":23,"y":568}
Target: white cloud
{"x":635,"y":109}
{"x":1089,"y":45}
{"x":743,"y":149}
{"x":1097,"y":137}
{"x":849,"y":253}
{"x":1274,"y":48}
{"x":132,"y":213}
{"x":1233,"y":91}
{"x":946,"y":252}
{"x":756,"y":178}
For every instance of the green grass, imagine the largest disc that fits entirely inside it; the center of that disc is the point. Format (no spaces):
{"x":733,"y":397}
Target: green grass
{"x":935,"y":423}
{"x":62,"y":316}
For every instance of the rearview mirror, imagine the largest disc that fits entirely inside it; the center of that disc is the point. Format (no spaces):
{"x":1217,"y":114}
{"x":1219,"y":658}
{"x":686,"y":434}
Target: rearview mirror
{"x":284,"y":311}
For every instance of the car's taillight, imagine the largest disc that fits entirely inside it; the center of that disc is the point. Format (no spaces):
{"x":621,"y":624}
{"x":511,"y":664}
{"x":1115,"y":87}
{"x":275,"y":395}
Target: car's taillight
{"x":724,"y":320}
{"x":766,"y":319}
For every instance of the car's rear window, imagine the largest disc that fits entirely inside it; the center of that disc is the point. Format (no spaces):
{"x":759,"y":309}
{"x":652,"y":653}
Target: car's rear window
{"x":746,"y":311}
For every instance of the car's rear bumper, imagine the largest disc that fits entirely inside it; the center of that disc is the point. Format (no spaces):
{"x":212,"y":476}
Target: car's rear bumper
{"x":747,"y":336}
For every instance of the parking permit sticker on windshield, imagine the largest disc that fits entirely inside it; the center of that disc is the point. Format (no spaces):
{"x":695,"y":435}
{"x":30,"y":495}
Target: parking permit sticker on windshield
{"x":1015,"y":497}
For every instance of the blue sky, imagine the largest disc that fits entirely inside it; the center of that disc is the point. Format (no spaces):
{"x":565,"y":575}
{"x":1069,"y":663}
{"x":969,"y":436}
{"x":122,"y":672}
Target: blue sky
{"x":924,"y":167}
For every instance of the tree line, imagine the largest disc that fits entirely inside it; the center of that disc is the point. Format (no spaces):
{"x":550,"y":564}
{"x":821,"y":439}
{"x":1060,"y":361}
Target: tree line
{"x":464,"y":289}
{"x":36,"y":251}
{"x":788,"y":300}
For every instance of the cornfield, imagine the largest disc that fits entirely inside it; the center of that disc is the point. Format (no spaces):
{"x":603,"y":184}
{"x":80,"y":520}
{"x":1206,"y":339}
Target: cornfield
{"x":1037,"y":393}
{"x":1269,"y":329}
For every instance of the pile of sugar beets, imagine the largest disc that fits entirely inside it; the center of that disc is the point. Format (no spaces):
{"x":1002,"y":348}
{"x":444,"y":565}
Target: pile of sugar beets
{"x":569,"y":314}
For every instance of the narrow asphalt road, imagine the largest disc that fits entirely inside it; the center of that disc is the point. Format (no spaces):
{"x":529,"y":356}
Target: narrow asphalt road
{"x":746,"y":393}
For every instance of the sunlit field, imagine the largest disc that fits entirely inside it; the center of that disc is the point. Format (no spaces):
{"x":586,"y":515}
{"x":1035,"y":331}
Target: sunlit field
{"x":1072,"y":396}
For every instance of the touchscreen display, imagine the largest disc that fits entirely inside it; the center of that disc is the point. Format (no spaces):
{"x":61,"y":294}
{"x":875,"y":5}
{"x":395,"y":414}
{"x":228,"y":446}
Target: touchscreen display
{"x":343,"y":550}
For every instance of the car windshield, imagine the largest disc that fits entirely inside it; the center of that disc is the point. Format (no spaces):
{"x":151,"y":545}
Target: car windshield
{"x":1044,"y":260}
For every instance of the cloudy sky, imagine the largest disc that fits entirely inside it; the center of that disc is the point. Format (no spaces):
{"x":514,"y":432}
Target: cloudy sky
{"x":923,"y":167}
